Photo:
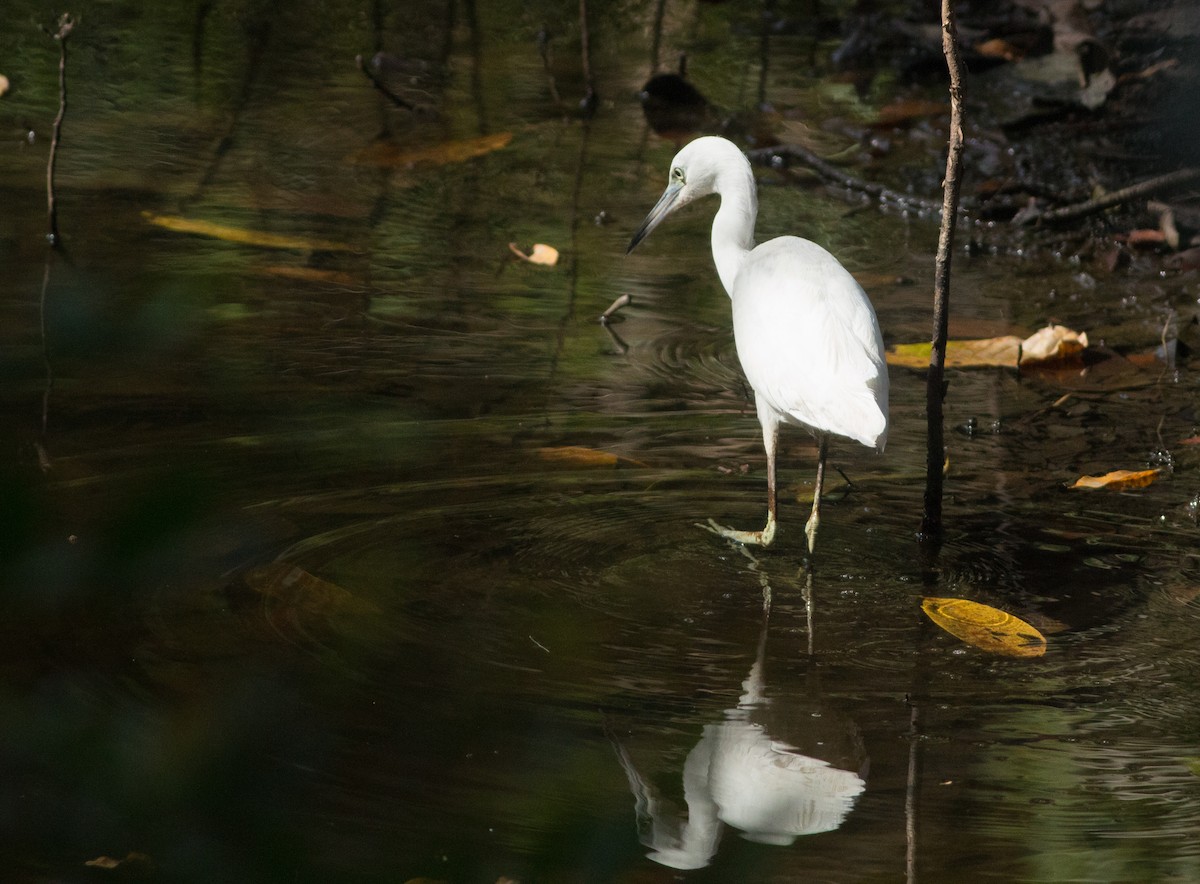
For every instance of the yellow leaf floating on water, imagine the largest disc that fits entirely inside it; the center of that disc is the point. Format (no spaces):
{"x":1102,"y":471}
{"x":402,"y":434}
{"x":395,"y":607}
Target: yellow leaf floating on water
{"x":985,"y":627}
{"x":539,"y":254}
{"x":1119,"y":480}
{"x":390,"y":155}
{"x":242,"y":236}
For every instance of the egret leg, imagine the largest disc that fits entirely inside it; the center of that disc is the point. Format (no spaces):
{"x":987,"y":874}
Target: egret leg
{"x":766,"y":536}
{"x":810,"y":527}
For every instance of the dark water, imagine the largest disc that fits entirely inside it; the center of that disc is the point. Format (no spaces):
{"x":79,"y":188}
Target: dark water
{"x":313,"y":567}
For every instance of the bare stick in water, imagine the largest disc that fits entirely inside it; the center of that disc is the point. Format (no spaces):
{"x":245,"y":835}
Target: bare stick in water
{"x":65,"y":24}
{"x":931,"y":520}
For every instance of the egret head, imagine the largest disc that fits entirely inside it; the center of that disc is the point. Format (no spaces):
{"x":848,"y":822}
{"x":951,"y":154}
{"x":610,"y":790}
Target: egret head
{"x":694,"y":173}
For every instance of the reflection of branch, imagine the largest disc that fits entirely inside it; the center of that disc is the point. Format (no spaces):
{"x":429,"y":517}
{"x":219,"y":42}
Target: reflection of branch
{"x":258,"y":32}
{"x":935,"y":392}
{"x":590,"y":100}
{"x":42,"y":453}
{"x":384,"y":90}
{"x":768,"y":156}
{"x":1124,"y":195}
{"x":65,"y":25}
{"x":910,"y":792}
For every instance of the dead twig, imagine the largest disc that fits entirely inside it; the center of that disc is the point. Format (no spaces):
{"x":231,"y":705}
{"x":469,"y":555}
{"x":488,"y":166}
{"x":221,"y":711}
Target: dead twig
{"x":770,"y":156}
{"x":935,"y":393}
{"x":1108,"y":200}
{"x":65,"y":25}
{"x":616,"y":305}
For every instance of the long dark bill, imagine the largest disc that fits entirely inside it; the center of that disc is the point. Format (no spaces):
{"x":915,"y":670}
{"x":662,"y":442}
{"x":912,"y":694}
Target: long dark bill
{"x":661,"y":209}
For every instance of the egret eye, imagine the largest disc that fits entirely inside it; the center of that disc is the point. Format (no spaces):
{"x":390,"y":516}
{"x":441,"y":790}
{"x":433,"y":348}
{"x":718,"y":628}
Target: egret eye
{"x":677,"y":174}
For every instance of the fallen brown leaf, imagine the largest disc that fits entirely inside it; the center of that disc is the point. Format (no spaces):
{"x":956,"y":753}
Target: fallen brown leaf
{"x":1051,"y":343}
{"x":539,"y":254}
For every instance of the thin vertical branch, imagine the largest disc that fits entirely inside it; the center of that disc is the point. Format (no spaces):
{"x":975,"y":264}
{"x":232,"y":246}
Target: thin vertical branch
{"x":65,"y":24}
{"x":931,"y":522}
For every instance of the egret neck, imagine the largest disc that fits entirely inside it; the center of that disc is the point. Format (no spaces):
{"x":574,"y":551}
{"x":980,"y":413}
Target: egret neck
{"x":733,"y":226}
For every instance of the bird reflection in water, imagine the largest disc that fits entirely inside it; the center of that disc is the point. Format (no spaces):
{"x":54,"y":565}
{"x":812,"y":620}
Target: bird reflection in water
{"x":739,"y":775}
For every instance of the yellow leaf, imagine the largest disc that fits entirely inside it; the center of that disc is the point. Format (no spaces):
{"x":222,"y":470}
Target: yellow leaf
{"x":1118,"y":480}
{"x":960,"y":354}
{"x":540,"y":254}
{"x":985,"y":627}
{"x":390,"y":155}
{"x":243,"y":236}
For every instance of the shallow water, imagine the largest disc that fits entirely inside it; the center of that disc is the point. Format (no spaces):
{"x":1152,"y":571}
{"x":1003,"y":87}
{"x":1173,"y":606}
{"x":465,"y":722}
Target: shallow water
{"x":325,"y":575}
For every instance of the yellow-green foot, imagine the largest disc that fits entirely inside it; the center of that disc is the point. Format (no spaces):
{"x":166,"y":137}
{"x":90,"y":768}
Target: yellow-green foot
{"x":765,"y":537}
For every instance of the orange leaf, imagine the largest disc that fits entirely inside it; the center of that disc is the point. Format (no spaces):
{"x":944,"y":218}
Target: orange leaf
{"x":997,"y":48}
{"x":906,"y":110}
{"x":985,"y":627}
{"x":1118,"y":480}
{"x":577,"y":455}
{"x":1145,"y":237}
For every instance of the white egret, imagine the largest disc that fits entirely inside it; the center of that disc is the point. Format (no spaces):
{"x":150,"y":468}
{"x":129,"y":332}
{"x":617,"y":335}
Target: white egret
{"x":805,"y":331}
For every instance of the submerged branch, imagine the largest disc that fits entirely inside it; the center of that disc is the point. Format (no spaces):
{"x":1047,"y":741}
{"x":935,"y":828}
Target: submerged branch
{"x":1108,"y":200}
{"x":770,"y":156}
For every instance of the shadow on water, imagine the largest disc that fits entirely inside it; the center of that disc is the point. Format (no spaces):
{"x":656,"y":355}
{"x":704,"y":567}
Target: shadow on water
{"x":357,"y":564}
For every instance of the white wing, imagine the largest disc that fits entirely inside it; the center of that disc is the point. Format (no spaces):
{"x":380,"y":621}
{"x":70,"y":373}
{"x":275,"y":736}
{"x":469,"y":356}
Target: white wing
{"x":809,"y":342}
